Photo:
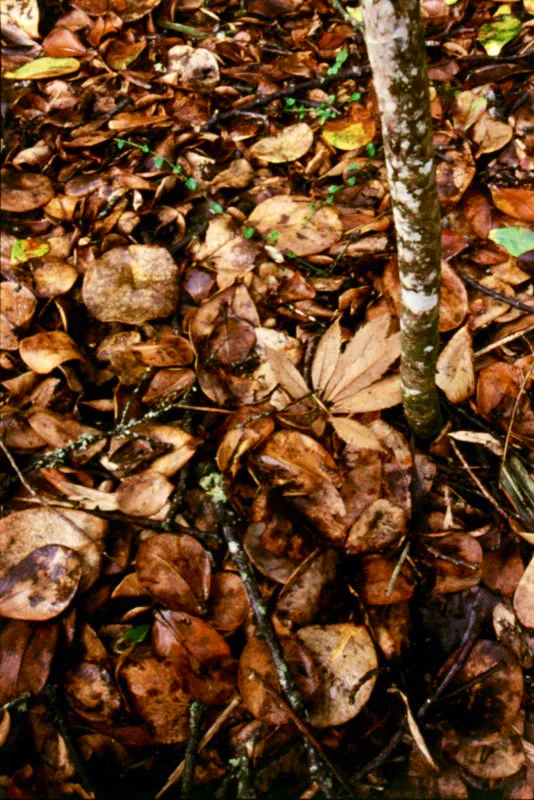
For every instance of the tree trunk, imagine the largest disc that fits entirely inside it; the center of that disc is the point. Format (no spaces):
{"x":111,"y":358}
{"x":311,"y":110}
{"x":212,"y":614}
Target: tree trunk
{"x":395,"y":43}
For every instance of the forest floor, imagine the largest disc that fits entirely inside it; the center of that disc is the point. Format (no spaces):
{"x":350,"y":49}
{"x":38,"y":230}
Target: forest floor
{"x":227,"y":570}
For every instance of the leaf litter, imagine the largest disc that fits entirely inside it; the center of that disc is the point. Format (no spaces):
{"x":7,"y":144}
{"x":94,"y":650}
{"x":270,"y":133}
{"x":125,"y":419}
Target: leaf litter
{"x":223,"y":558}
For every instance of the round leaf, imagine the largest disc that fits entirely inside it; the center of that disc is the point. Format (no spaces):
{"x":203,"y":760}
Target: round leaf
{"x":345,"y":657}
{"x":42,"y":585}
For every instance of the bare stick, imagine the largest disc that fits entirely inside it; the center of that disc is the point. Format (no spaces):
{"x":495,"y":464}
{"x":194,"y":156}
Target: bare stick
{"x":510,"y":301}
{"x":175,"y":776}
{"x":196,"y":712}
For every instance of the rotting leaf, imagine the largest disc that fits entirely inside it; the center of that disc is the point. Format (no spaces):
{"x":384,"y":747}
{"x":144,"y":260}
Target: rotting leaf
{"x":176,"y":571}
{"x":379,"y":526}
{"x":257,"y":674}
{"x":23,"y":532}
{"x":26,"y":654}
{"x":346,"y":660}
{"x":42,"y":585}
{"x":195,"y":68}
{"x":132,"y":285}
{"x":228,"y":602}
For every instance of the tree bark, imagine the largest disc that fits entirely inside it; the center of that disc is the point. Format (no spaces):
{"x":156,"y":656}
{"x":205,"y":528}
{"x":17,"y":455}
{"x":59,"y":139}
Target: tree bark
{"x":395,"y":43}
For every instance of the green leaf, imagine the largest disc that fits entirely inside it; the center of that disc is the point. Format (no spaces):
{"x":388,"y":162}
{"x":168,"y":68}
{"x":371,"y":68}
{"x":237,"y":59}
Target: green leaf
{"x":145,"y":148}
{"x":24,"y":249}
{"x":340,"y":60}
{"x":356,"y":97}
{"x":290,"y":102}
{"x":370,"y":149}
{"x":494,"y":35}
{"x":159,"y":161}
{"x":136,"y":635}
{"x":46,"y":67}
{"x":177,"y":169}
{"x":216,"y":208}
{"x":248,"y":233}
{"x":516,"y":240}
{"x":191,"y":184}
{"x":120,"y":143}
{"x":273,"y":236}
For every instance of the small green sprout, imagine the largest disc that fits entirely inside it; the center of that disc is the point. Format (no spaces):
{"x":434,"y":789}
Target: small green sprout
{"x":248,"y":233}
{"x":370,"y":149}
{"x":273,"y":236}
{"x":338,"y":63}
{"x":216,"y":208}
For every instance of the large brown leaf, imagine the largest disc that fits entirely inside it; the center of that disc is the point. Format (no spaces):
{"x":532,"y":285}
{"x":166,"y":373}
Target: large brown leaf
{"x":24,"y":531}
{"x":132,"y":285}
{"x":176,"y":571}
{"x":23,"y":191}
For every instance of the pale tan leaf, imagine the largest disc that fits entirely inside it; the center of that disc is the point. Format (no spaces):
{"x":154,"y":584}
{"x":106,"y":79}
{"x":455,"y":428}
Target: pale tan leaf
{"x":416,"y":733}
{"x":288,"y":376}
{"x":382,"y":394}
{"x":288,"y":145}
{"x":478,"y":437}
{"x":370,"y":336}
{"x":355,"y":433}
{"x":524,"y":597}
{"x":24,"y":14}
{"x":326,"y":356}
{"x":455,"y":374}
{"x":369,"y":368}
{"x":345,"y":657}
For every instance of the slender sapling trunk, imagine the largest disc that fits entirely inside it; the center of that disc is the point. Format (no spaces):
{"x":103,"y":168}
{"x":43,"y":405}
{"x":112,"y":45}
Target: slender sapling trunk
{"x":395,"y":43}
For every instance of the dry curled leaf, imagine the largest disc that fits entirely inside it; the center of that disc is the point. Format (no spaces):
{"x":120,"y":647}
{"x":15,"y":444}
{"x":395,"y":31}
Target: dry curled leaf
{"x":381,"y":524}
{"x":289,"y":144}
{"x":132,"y":285}
{"x":302,"y":229}
{"x":345,"y":657}
{"x":46,"y":351}
{"x":176,"y":571}
{"x":23,"y":191}
{"x":524,"y":597}
{"x":455,"y":372}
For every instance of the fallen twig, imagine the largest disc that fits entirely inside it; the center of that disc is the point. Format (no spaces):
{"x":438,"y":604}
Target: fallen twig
{"x":196,"y":712}
{"x":175,"y":776}
{"x":511,"y":301}
{"x":292,"y":88}
{"x":320,"y":771}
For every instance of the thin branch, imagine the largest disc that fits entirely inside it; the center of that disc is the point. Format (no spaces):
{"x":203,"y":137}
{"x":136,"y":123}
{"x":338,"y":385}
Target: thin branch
{"x":320,"y":772}
{"x":175,"y":776}
{"x":196,"y":712}
{"x":511,"y":301}
{"x":479,"y":483}
{"x":291,"y":89}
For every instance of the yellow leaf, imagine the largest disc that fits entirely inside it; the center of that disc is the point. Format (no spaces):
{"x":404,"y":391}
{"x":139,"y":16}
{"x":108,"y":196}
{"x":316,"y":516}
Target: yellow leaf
{"x":44,"y":68}
{"x":352,"y":132}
